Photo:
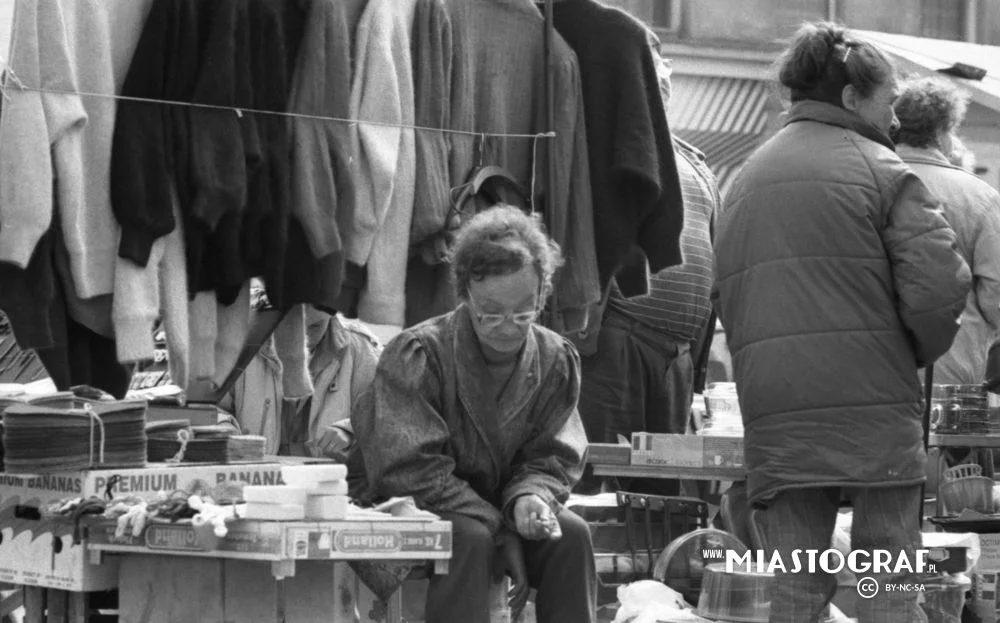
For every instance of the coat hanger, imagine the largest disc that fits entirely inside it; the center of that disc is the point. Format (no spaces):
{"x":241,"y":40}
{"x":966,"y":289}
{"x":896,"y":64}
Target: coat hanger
{"x":484,"y":173}
{"x":494,"y":172}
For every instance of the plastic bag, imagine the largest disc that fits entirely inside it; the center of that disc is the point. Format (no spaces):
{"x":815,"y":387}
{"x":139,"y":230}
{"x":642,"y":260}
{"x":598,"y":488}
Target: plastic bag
{"x":648,"y":601}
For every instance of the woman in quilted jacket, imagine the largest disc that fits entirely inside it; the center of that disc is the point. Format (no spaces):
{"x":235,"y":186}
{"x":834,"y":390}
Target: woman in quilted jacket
{"x":838,"y":278}
{"x":474,"y":415}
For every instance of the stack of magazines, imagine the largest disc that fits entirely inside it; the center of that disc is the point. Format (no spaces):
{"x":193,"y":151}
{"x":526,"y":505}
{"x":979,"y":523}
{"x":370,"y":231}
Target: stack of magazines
{"x":12,"y":394}
{"x":75,"y":434}
{"x":177,"y":441}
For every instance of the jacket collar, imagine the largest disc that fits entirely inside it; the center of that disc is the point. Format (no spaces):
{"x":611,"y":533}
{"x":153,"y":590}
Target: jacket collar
{"x":811,"y":110}
{"x":334,"y":341}
{"x":476,"y":385}
{"x":923,"y":155}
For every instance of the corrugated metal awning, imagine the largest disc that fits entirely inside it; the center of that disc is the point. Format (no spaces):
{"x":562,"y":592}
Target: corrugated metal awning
{"x":17,"y":365}
{"x":723,"y":117}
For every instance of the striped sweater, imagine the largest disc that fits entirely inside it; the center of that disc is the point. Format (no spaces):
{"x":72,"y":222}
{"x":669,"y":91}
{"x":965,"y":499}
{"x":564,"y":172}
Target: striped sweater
{"x":678,"y":299}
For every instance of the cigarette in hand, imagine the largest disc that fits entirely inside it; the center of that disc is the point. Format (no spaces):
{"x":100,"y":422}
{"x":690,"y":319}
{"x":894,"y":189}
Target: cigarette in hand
{"x":551,"y":526}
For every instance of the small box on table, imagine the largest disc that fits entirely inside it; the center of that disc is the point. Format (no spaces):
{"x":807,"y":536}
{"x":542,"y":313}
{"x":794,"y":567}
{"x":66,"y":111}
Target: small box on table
{"x":688,"y":451}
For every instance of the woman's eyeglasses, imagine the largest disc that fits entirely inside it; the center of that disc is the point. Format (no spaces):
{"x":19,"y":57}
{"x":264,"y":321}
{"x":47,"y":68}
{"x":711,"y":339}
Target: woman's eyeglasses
{"x":492,"y":321}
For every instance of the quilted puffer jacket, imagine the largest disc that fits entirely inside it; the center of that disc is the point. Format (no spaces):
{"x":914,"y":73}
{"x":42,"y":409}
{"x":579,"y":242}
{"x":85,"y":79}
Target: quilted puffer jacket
{"x":838,"y":277}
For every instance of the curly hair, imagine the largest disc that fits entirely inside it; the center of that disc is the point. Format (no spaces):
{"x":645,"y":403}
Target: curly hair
{"x":927,"y":107}
{"x":500,"y":241}
{"x":823,"y":58}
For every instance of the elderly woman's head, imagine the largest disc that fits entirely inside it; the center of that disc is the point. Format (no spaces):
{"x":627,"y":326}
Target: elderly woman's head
{"x":929,"y":112}
{"x":504,"y":263}
{"x":824,"y":63}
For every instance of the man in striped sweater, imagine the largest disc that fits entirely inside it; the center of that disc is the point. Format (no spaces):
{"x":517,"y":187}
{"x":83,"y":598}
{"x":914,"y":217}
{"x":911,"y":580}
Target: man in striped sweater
{"x":642,"y":376}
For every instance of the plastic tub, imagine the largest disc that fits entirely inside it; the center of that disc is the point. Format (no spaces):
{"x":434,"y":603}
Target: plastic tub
{"x":944,"y":598}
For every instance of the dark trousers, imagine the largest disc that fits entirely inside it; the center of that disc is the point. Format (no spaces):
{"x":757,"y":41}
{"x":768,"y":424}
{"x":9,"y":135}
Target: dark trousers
{"x":562,"y":572}
{"x":640,"y":380}
{"x":885,"y":518}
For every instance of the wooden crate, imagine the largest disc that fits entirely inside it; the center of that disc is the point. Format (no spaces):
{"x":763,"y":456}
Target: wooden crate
{"x":166,"y":589}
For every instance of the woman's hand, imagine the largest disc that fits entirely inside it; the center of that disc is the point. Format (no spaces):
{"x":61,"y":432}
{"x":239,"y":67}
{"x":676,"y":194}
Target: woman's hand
{"x":512,"y":557}
{"x":534,"y":519}
{"x":333,"y":443}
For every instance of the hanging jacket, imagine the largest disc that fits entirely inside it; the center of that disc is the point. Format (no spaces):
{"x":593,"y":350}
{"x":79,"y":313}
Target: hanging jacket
{"x":268,"y":194}
{"x":431,"y":59}
{"x":69,"y":46}
{"x":226,"y":150}
{"x":321,"y":150}
{"x":382,"y":91}
{"x":633,"y":174}
{"x":312,"y":267}
{"x":151,"y":147}
{"x":837,"y":277}
{"x":497,"y":85}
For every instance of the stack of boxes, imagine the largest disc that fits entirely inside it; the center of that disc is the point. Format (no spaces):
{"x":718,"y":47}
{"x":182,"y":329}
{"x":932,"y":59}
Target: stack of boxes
{"x":985,"y":597}
{"x":311,"y":492}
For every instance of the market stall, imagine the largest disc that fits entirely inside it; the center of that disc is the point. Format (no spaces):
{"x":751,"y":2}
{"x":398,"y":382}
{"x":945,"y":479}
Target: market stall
{"x":961,"y":527}
{"x":72,"y":524}
{"x":265,"y":571}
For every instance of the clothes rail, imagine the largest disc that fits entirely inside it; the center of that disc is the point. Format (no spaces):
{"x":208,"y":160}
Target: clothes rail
{"x":12,"y":79}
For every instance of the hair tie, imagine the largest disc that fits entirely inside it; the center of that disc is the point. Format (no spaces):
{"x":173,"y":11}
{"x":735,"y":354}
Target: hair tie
{"x":847,"y":53}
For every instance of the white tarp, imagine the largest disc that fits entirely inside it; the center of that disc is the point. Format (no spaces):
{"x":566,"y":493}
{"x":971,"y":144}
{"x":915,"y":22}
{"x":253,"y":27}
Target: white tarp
{"x":928,"y":56}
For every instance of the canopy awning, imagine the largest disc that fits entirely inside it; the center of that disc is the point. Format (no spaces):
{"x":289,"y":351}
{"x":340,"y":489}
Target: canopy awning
{"x":723,"y":117}
{"x":17,"y":365}
{"x":929,"y":56}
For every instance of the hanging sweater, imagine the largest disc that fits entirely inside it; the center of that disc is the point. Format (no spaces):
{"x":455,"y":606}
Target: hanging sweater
{"x":225,"y":150}
{"x":633,"y":174}
{"x":497,"y":86}
{"x":268,"y":195}
{"x":145,"y":293}
{"x":382,"y":91}
{"x":150,"y":152}
{"x":321,"y":150}
{"x":320,"y":162}
{"x":431,"y":56}
{"x":70,"y":45}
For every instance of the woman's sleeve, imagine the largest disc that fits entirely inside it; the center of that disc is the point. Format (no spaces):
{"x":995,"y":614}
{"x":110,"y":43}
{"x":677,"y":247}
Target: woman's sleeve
{"x":986,"y":262}
{"x":552,"y":461}
{"x":931,"y":278}
{"x":403,"y":436}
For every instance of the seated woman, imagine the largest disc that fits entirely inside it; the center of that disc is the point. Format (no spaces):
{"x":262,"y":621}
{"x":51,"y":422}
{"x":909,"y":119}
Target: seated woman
{"x":473,"y":414}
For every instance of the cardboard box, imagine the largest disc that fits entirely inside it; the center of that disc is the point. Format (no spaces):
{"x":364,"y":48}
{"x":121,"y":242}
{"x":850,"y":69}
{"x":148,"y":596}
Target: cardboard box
{"x":41,"y":551}
{"x":989,"y":552}
{"x":609,"y":454}
{"x":391,"y":539}
{"x":691,"y":451}
{"x":985,"y":595}
{"x":985,"y":598}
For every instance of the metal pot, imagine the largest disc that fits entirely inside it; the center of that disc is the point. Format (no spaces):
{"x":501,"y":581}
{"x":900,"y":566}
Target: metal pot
{"x":740,"y":596}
